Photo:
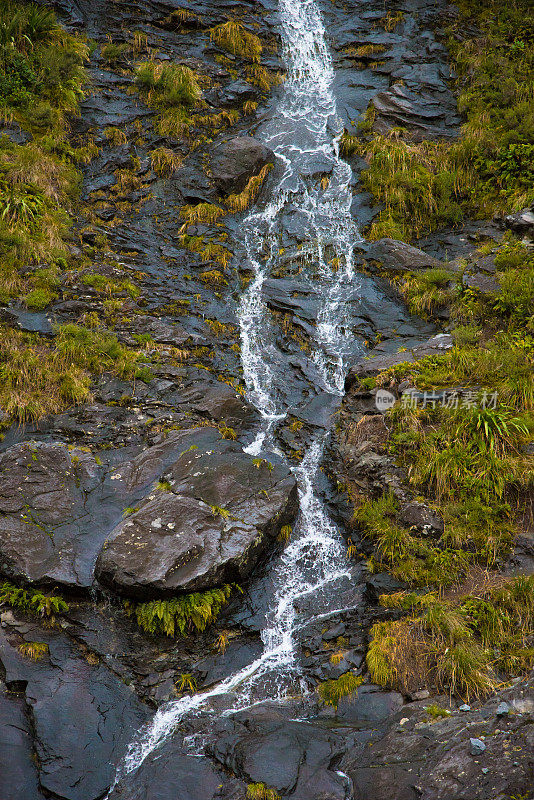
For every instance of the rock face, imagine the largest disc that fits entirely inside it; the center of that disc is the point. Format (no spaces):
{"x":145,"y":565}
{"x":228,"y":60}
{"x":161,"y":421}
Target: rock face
{"x":437,"y":760}
{"x":235,"y":161}
{"x":401,"y":257}
{"x":44,"y":535}
{"x":522,"y":223}
{"x":81,"y":716}
{"x":220,"y":513}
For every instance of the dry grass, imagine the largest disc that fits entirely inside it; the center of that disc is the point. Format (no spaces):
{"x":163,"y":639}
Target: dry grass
{"x":235,"y":39}
{"x":240,"y":202}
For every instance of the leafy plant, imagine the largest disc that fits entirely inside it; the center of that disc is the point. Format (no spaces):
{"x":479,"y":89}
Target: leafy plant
{"x":32,"y":600}
{"x":181,"y":614}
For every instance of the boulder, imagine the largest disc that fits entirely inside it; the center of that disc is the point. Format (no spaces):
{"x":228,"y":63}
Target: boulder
{"x":424,"y":519}
{"x":401,"y":257}
{"x":220,"y":514}
{"x":233,"y":162}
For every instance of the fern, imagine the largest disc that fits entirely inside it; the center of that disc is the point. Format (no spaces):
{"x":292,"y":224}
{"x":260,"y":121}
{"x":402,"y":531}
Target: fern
{"x":32,"y":601}
{"x":181,"y":614}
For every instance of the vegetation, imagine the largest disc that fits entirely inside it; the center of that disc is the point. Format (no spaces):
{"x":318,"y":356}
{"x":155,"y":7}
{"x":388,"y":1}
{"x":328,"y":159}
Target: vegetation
{"x":164,"y":161}
{"x":235,"y":39}
{"x":37,"y":378}
{"x":173,"y":89}
{"x":465,"y":645}
{"x":34,"y":650}
{"x":240,"y":202}
{"x":42,"y":80}
{"x":32,"y":600}
{"x":259,"y":791}
{"x":331,"y":692}
{"x":181,"y":614}
{"x":467,"y":449}
{"x":489,"y":170}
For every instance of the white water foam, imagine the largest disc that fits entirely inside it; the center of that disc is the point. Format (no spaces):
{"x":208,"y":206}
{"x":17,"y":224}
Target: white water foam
{"x":304,"y":133}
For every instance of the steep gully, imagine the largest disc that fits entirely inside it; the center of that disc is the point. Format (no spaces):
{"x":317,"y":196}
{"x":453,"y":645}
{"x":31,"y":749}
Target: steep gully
{"x":304,"y":134}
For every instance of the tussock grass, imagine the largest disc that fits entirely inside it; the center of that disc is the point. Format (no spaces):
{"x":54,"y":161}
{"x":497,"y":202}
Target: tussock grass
{"x":37,"y":379}
{"x":240,"y":202}
{"x":235,"y":39}
{"x":331,"y":692}
{"x":33,"y":650}
{"x":464,"y":645}
{"x":259,"y":791}
{"x":200,"y":214}
{"x":164,"y":161}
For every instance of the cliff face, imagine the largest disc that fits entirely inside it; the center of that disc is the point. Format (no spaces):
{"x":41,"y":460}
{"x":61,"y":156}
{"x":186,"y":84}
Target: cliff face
{"x":139,"y":542}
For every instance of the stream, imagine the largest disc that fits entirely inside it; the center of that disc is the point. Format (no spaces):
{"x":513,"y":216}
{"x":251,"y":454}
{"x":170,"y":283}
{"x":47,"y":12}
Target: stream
{"x":313,"y":192}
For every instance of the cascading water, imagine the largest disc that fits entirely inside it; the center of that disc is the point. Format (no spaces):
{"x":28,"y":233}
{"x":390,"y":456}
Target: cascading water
{"x":304,"y":134}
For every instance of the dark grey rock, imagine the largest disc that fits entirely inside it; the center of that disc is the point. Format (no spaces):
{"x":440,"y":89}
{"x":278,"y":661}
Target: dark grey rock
{"x":522,"y":223}
{"x":180,"y":540}
{"x":401,"y":257}
{"x":233,"y":162}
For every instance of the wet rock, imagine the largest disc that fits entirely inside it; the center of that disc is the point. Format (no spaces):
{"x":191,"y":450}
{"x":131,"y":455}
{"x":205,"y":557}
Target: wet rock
{"x":262,"y":746}
{"x":369,"y":704}
{"x":82,"y":716}
{"x":375,"y":364}
{"x":522,"y":223}
{"x":424,"y":519}
{"x":484,"y":284}
{"x":233,"y":162}
{"x":44,"y":536}
{"x":221,"y":513}
{"x":18,"y":772}
{"x":30,"y":321}
{"x":401,"y":257}
{"x":170,"y":773}
{"x":502,"y":710}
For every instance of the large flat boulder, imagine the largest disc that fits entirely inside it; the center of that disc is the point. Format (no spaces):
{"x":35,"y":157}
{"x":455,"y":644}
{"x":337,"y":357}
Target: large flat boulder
{"x":220,"y":511}
{"x":81,"y":717}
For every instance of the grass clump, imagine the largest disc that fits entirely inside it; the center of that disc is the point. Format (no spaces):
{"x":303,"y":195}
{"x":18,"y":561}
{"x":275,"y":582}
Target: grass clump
{"x":240,"y":202}
{"x":164,"y":161}
{"x":464,"y":645}
{"x":34,"y":650}
{"x":428,"y":291}
{"x":173,"y":89}
{"x":235,"y":39}
{"x":331,"y":692}
{"x":181,"y":614}
{"x":37,"y":378}
{"x":200,"y":214}
{"x":32,"y":600}
{"x":259,"y":791}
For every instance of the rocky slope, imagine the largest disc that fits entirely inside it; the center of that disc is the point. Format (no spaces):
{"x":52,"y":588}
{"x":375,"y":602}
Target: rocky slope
{"x":143,"y":491}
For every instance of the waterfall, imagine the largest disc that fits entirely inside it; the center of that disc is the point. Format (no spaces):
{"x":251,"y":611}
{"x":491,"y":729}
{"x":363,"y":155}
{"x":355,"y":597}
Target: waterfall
{"x":305,"y":135}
